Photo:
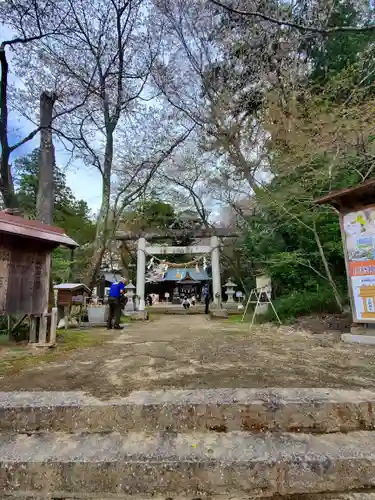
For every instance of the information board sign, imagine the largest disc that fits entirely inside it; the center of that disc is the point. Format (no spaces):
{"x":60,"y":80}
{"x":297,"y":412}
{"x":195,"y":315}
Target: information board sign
{"x":359,"y":239}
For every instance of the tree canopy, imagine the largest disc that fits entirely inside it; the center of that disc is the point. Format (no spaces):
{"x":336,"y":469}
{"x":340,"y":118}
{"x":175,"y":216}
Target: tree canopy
{"x":69,"y":213}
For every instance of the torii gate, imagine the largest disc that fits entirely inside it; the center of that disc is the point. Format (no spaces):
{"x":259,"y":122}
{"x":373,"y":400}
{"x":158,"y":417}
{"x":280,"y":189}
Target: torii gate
{"x":144,"y":249}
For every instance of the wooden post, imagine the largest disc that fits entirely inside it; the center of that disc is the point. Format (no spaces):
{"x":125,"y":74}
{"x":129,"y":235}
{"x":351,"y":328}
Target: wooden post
{"x":52,"y":337}
{"x":42,"y":340}
{"x":32,"y":334}
{"x":66,"y":316}
{"x":43,"y":320}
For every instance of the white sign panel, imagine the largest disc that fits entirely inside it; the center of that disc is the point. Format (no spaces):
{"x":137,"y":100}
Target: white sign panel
{"x":158,"y":250}
{"x":359,"y":232}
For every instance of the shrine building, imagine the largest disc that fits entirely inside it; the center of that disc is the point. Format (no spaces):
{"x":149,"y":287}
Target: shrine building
{"x":178,"y":282}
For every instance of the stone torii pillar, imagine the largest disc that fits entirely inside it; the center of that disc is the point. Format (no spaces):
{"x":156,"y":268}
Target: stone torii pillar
{"x":141,"y":270}
{"x":215,"y":264}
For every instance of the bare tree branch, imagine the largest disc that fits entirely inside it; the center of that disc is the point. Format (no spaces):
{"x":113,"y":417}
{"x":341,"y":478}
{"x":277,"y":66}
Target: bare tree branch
{"x":163,"y":155}
{"x":290,"y":24}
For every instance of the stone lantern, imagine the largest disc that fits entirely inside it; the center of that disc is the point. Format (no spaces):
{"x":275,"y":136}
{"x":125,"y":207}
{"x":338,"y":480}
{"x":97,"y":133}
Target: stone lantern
{"x":229,"y":290}
{"x":129,"y":307}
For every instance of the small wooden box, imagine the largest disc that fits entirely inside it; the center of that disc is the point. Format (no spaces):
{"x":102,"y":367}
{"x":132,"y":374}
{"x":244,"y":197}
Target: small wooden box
{"x":71,"y":293}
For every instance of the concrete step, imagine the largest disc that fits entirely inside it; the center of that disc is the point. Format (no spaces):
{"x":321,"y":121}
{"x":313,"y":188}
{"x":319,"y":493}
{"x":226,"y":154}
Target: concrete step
{"x":237,"y":463}
{"x":93,"y":496}
{"x":221,"y":410}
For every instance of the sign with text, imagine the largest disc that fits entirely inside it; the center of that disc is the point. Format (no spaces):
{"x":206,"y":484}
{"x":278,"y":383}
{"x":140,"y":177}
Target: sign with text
{"x":359,"y":235}
{"x":159,"y":250}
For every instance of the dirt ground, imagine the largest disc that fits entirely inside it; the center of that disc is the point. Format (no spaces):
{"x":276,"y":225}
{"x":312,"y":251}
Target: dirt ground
{"x":195,"y":352}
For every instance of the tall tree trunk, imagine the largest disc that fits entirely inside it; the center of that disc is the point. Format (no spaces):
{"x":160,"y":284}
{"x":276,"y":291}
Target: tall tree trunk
{"x":45,"y":195}
{"x":45,"y":198}
{"x":103,"y":226}
{"x":327,"y":270}
{"x":6,"y":181}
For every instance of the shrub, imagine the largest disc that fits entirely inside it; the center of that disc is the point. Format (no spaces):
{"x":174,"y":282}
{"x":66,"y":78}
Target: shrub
{"x":298,"y":303}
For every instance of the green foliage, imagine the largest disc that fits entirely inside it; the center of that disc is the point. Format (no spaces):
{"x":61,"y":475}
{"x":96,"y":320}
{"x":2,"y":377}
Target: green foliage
{"x":69,"y":213}
{"x":331,"y":55}
{"x":302,"y":302}
{"x":3,"y":325}
{"x":280,"y":241}
{"x":152,"y":214}
{"x":319,"y":143}
{"x":21,"y":360}
{"x":318,"y":116}
{"x":61,"y":264}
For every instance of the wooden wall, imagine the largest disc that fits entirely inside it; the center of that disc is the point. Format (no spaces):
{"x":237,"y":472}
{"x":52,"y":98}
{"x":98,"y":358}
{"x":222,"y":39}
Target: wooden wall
{"x":24,"y":275}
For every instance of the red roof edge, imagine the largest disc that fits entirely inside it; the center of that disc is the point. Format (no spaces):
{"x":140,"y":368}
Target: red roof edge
{"x":21,"y":221}
{"x":354,"y":191}
{"x":14,"y":224}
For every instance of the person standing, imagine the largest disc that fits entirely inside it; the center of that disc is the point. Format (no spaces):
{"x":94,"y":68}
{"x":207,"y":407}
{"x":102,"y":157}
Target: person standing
{"x":206,"y":296}
{"x":116,"y":292}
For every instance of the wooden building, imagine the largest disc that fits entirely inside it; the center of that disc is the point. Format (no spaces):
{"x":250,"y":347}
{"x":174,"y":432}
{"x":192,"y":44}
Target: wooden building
{"x":179,"y":283}
{"x":25,"y":261}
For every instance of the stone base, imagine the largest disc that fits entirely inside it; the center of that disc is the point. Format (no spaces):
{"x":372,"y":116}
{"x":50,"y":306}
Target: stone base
{"x":262,"y":308}
{"x":362,"y":330}
{"x":39,"y":345}
{"x":72,"y":323}
{"x":360,"y":334}
{"x":138,"y":315}
{"x":219,"y":313}
{"x":231,"y":306}
{"x":358,"y":339}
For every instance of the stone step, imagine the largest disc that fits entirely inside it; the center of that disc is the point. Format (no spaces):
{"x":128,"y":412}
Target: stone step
{"x":220,"y":410}
{"x":237,"y":463}
{"x":93,"y":496}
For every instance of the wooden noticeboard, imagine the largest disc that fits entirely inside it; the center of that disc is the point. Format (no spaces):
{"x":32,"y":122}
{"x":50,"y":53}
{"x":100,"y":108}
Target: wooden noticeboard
{"x":71,"y":296}
{"x":23,"y":286}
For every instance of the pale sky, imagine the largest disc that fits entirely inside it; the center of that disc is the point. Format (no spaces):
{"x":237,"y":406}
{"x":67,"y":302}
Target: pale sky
{"x":85,"y":182}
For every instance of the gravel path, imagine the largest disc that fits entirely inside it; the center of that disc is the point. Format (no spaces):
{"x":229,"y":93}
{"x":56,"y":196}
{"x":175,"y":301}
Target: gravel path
{"x":194,"y":352}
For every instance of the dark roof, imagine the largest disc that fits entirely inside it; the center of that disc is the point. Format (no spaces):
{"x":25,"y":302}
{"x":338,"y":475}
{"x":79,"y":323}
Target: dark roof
{"x":362,"y":194}
{"x":72,"y":287}
{"x":33,"y":229}
{"x":187,"y":279}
